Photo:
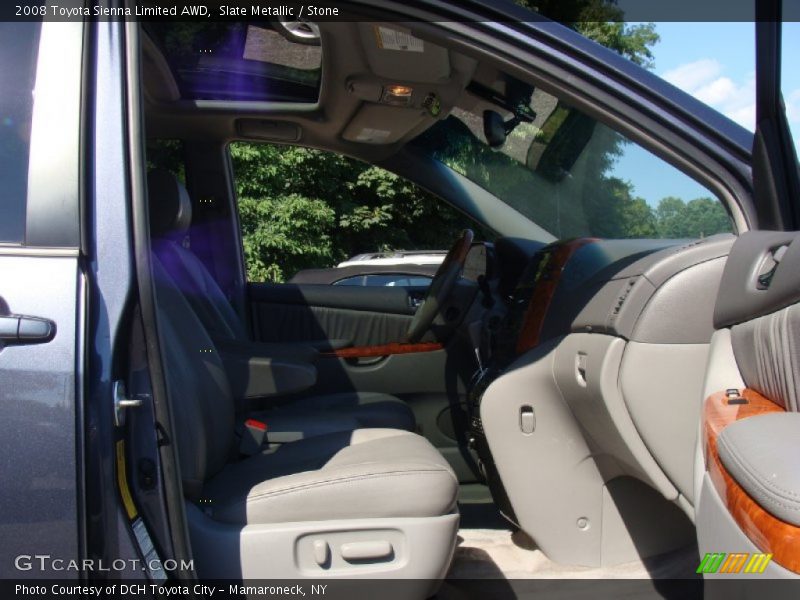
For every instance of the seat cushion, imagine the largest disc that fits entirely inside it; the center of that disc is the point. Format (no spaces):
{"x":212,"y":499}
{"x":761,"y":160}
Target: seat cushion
{"x":367,"y":473}
{"x":369,"y":409}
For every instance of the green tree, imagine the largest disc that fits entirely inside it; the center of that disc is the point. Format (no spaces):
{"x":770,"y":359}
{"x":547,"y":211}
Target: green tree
{"x":603,"y":22}
{"x":638,"y":220}
{"x":285,"y":234}
{"x":302,"y":208}
{"x":706,"y":216}
{"x":697,"y":218}
{"x":670,"y":217}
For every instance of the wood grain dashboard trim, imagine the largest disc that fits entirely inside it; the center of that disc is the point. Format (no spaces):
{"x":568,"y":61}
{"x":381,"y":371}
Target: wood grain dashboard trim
{"x":547,"y":280}
{"x":385,"y":350}
{"x":768,"y":533}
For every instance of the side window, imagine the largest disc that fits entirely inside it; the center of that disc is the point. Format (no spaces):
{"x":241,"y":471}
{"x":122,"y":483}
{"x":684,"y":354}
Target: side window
{"x":19,"y":44}
{"x":790,"y":78}
{"x":386,"y":281}
{"x":302,"y":209}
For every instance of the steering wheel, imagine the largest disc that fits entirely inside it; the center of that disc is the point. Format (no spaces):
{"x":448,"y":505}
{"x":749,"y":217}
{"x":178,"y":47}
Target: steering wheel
{"x":448,"y":273}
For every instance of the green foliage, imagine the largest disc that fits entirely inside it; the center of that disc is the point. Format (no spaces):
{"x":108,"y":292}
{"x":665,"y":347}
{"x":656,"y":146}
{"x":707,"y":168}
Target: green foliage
{"x":603,"y":22}
{"x":631,"y":41}
{"x":285,"y":234}
{"x":694,"y":219}
{"x":302,"y":208}
{"x":638,"y":220}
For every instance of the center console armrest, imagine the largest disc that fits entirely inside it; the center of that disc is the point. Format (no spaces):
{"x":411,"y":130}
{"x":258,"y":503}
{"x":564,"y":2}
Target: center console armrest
{"x":253,"y":377}
{"x":760,"y":453}
{"x":293,"y":352}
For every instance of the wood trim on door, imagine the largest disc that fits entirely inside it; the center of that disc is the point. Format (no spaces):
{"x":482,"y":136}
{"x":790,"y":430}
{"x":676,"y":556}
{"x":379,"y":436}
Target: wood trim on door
{"x":384,"y":350}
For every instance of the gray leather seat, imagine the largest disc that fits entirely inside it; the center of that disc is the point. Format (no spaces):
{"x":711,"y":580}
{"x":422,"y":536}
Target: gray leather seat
{"x":170,"y":219}
{"x":389,"y":496}
{"x":372,"y":472}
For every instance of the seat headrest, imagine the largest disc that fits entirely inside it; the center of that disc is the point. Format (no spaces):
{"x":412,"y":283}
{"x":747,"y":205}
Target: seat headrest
{"x":170,"y":207}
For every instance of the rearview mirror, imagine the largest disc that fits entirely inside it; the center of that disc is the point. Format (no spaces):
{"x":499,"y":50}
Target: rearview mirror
{"x":559,"y":143}
{"x":494,"y":128}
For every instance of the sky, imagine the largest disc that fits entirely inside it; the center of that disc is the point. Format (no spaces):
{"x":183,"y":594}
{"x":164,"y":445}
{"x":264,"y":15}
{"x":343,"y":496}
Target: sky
{"x":714,"y":62}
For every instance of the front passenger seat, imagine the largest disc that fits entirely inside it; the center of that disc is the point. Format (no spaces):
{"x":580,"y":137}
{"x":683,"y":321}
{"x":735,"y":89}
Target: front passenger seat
{"x":368,"y":503}
{"x":170,"y":219}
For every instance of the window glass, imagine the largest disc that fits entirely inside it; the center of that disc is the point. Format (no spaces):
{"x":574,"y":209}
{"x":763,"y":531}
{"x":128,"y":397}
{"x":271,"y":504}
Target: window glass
{"x":19,"y":44}
{"x":718,"y":72}
{"x":398,"y":280}
{"x":307,"y":209}
{"x":790,"y":75}
{"x":568,"y":173}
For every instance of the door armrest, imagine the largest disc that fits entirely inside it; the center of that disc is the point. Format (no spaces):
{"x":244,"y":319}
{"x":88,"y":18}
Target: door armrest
{"x":760,"y":454}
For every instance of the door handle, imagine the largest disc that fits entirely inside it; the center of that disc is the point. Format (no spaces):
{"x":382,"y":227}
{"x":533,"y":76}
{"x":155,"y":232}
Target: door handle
{"x":18,"y":329}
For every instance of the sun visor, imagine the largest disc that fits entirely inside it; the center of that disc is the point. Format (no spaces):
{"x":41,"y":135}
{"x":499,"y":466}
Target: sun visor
{"x":393,"y":53}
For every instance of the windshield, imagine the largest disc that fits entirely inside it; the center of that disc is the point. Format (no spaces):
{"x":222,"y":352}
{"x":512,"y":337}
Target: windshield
{"x":570,"y":174}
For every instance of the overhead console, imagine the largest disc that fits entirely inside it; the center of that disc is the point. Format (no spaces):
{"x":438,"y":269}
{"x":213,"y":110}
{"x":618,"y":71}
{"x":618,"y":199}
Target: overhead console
{"x":409,"y":85}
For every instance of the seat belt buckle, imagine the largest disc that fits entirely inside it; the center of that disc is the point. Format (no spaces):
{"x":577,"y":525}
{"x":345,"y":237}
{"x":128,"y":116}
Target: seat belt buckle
{"x":254,"y":437}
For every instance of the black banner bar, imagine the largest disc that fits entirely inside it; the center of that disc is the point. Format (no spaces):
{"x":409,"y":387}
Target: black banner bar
{"x":342,"y":10}
{"x":399,"y":589}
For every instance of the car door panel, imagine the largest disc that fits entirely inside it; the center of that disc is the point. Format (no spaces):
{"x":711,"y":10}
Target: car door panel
{"x":431,"y":377}
{"x":433,"y":384}
{"x":753,"y":369}
{"x":302,"y":313}
{"x":38,"y":411}
{"x":41,"y":287}
{"x":288,"y":322}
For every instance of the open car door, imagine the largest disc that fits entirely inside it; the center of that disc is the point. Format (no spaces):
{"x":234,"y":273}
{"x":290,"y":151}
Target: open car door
{"x":748,"y":480}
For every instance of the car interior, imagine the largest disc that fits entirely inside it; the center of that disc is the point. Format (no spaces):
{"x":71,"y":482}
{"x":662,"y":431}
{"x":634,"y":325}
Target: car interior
{"x":543,"y":395}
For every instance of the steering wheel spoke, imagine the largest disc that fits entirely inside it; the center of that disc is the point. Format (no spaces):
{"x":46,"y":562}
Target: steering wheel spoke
{"x":445,"y":279}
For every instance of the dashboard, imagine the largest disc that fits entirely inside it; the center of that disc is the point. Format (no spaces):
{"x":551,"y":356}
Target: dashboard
{"x":587,"y":329}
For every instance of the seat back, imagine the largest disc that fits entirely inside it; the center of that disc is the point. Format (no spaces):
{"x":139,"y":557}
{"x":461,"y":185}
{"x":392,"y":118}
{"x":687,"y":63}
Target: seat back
{"x":200,"y":396}
{"x":170,"y":221}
